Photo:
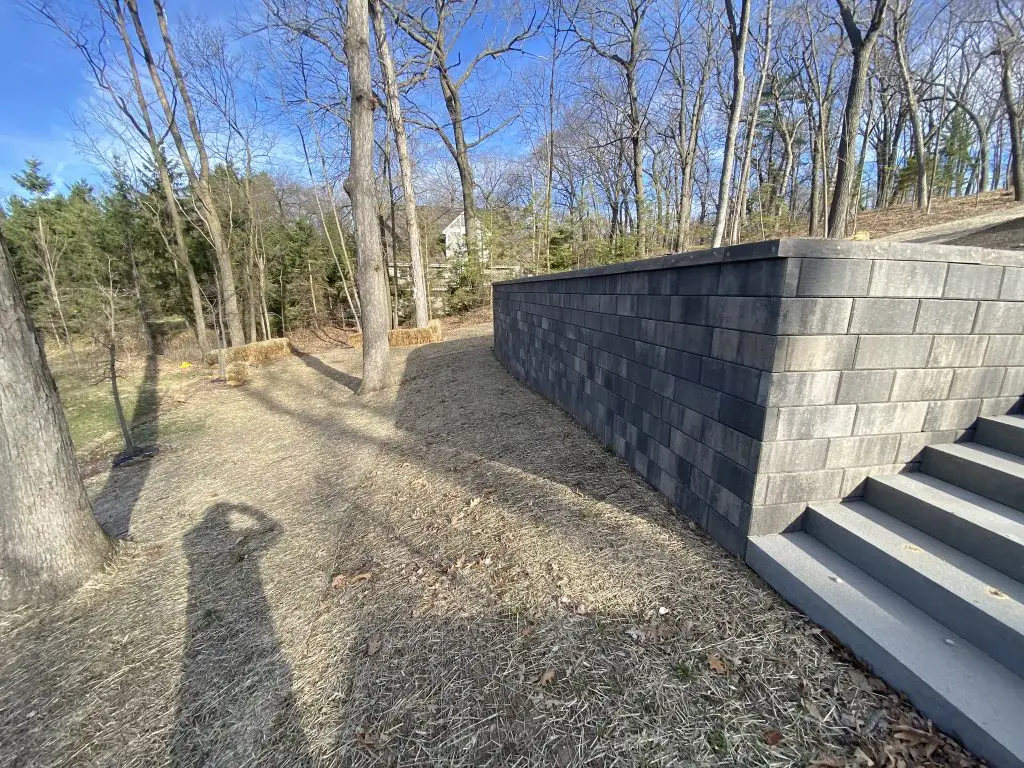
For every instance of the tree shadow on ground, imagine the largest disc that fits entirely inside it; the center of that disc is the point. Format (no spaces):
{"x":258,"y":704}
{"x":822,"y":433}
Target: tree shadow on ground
{"x":236,"y":704}
{"x":339,"y":377}
{"x":114,"y":504}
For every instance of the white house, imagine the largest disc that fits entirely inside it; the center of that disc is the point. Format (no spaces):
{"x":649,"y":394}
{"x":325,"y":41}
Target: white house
{"x":455,"y":239}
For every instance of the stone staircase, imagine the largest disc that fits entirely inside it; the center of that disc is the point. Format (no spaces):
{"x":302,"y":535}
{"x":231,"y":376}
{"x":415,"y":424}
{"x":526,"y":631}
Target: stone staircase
{"x":924,"y":581}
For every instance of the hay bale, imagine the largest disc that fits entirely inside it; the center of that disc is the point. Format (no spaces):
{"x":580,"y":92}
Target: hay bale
{"x":406,"y":337}
{"x":257,"y":352}
{"x":238,"y":372}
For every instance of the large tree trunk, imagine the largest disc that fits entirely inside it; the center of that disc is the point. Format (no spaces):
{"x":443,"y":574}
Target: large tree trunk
{"x":900,"y":24}
{"x":49,"y":541}
{"x":738,"y":38}
{"x":1013,"y":118}
{"x":861,"y":45}
{"x":636,"y":145}
{"x":371,"y":282}
{"x":421,"y":304}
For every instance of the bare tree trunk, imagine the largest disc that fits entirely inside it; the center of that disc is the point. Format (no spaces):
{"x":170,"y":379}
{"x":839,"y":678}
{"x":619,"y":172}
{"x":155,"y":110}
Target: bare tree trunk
{"x":738,"y":36}
{"x":371,"y":283}
{"x":901,"y":20}
{"x":740,"y":214}
{"x":1013,"y":118}
{"x":50,"y":543}
{"x":421,"y":303}
{"x":861,"y":44}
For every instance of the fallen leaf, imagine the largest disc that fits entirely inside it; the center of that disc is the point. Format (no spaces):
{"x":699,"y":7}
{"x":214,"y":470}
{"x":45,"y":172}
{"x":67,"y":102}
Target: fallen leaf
{"x":771,"y":738}
{"x":365,"y":738}
{"x":547,"y":677}
{"x":364,"y":576}
{"x":860,"y":680}
{"x":373,"y":645}
{"x":637,"y":634}
{"x":826,"y":762}
{"x":815,"y":711}
{"x":861,"y":757}
{"x":338,"y":581}
{"x":473,"y":502}
{"x":716,"y":664}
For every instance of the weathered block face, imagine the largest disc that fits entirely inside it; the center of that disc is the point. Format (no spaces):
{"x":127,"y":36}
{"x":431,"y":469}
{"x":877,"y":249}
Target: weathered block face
{"x":745,"y":382}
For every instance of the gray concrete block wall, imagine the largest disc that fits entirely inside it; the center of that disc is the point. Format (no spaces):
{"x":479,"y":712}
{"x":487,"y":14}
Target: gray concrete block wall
{"x":666,"y":366}
{"x":745,"y":382}
{"x":932,"y":342}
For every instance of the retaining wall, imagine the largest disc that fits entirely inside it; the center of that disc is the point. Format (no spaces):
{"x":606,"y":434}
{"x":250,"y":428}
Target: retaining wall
{"x":744,"y":382}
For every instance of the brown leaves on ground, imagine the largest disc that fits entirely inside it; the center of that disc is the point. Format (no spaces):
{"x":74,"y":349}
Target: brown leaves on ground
{"x":717,"y":664}
{"x":341,"y":580}
{"x":771,"y":738}
{"x":547,"y":677}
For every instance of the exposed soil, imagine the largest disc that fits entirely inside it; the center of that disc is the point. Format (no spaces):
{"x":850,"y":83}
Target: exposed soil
{"x":449,"y":573}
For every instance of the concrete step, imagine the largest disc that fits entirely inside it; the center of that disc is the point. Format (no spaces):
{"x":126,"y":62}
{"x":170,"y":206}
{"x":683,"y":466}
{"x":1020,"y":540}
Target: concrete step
{"x":994,"y":474}
{"x":1004,"y":433}
{"x":988,"y":531}
{"x":980,"y":604}
{"x":963,"y":690}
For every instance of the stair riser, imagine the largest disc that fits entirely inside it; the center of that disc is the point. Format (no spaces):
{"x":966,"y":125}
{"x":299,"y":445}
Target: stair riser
{"x":995,"y":551}
{"x":1001,"y":436}
{"x":989,"y":635}
{"x":975,"y":476}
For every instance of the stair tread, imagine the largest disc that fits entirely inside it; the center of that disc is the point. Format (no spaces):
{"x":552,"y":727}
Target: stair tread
{"x":999,"y":460}
{"x":1012,"y":419}
{"x":958,"y":573}
{"x":961,"y":688}
{"x":959,"y":502}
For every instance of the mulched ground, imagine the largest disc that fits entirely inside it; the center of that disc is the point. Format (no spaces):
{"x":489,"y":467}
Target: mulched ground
{"x":450,"y":573}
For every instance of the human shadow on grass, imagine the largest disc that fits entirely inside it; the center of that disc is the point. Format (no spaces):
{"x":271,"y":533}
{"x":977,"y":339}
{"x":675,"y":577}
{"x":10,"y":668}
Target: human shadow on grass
{"x":116,"y":501}
{"x":236,"y":705}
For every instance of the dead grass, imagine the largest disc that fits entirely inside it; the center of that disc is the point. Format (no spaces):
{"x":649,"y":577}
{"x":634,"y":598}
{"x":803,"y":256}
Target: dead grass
{"x":452,"y":573}
{"x":257,"y":352}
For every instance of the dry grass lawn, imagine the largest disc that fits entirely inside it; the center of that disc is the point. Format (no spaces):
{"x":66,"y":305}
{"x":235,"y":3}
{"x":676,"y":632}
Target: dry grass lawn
{"x":451,"y":573}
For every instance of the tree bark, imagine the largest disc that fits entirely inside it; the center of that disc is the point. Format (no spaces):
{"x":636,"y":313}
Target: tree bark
{"x":1013,"y":118}
{"x":901,"y":19}
{"x":861,"y":45}
{"x":50,"y":543}
{"x":421,"y":303}
{"x":738,"y":35}
{"x":371,"y":282}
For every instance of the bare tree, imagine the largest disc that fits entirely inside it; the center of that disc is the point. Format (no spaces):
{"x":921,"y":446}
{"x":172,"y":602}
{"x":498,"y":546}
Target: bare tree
{"x":739,"y":32}
{"x":49,"y":541}
{"x":901,"y":25}
{"x":371,"y":280}
{"x":861,"y":44}
{"x":421,"y":306}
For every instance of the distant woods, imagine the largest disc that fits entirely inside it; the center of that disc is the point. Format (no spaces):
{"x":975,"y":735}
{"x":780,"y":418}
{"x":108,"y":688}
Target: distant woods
{"x":546,"y":136}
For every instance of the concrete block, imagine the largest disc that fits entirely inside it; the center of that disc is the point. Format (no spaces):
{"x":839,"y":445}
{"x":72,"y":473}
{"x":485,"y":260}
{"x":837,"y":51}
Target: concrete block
{"x":922,"y":384}
{"x":732,"y":444}
{"x":1005,"y":350}
{"x":976,"y":382}
{"x":814,"y":316}
{"x":804,"y":486}
{"x":834,"y":277}
{"x":697,"y":398}
{"x":865,"y":386}
{"x":697,"y":281}
{"x":683,"y":365}
{"x":892,"y":351}
{"x":946,"y":316}
{"x":889,"y":418}
{"x":957,"y":351}
{"x":767,"y":519}
{"x":752,"y":278}
{"x":820,"y":353}
{"x":1013,"y":383}
{"x":811,"y":421}
{"x":1000,"y":406}
{"x":855,"y":478}
{"x":862,"y":451}
{"x":924,"y":279}
{"x":743,"y":314}
{"x":731,"y":379}
{"x":1013,"y":284}
{"x":737,"y":479}
{"x":884,"y":316}
{"x":753,"y":350}
{"x":803,"y":388}
{"x":728,"y":535}
{"x":951,"y":414}
{"x":792,"y":455}
{"x":742,"y":415}
{"x":972,"y":281}
{"x":912,"y":443}
{"x":1000,"y":317}
{"x":684,"y":419}
{"x":688,"y":309}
